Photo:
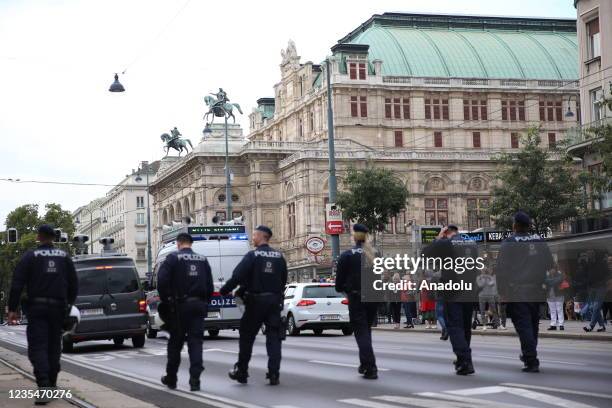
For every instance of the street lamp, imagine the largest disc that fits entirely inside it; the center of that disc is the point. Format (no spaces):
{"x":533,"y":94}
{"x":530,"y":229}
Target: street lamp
{"x":116,"y":85}
{"x":145,"y":168}
{"x":569,"y":113}
{"x":335,"y":239}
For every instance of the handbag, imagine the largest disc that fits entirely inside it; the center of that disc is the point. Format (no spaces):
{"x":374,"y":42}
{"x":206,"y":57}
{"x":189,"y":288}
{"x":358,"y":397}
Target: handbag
{"x":564,"y":284}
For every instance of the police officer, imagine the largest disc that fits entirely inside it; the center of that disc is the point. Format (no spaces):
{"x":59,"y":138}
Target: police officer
{"x":262,"y":276}
{"x":50,"y":278}
{"x":522,"y":264}
{"x":361,"y":314}
{"x":185,"y":280}
{"x":458,"y":305}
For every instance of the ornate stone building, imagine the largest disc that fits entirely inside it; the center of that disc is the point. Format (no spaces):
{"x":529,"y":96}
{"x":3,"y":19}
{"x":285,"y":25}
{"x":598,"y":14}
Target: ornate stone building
{"x":433,"y":98}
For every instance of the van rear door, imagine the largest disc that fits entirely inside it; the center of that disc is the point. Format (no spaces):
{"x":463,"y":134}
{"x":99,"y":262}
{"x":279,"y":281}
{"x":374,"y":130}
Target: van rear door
{"x":231,"y":253}
{"x":90,"y":302}
{"x":124,"y":294}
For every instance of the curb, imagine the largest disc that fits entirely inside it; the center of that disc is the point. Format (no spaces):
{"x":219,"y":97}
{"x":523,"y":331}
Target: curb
{"x":508,"y":333}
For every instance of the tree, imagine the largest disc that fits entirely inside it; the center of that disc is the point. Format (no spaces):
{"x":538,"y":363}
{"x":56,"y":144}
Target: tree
{"x":25,"y":218}
{"x":59,"y":218}
{"x":373,"y":196}
{"x":537,"y":180}
{"x":600,"y":182}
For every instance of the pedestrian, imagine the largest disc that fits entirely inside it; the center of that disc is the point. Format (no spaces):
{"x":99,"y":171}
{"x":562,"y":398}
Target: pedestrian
{"x":555,"y":299}
{"x":427,"y":305}
{"x":458,"y":306}
{"x":487,"y":295}
{"x":523,"y":261}
{"x":361,"y":314}
{"x":185,"y":281}
{"x":597,"y":276}
{"x":50,"y":280}
{"x":395,"y":302}
{"x":262,"y":276}
{"x":408,"y":298}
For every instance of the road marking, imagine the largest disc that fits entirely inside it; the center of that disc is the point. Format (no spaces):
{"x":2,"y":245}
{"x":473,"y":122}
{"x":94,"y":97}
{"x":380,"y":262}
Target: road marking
{"x":542,"y":361}
{"x":470,"y":401}
{"x":411,"y":401}
{"x":521,"y":392}
{"x":540,"y":387}
{"x":213,"y":400}
{"x":222,"y":351}
{"x":341,"y":364}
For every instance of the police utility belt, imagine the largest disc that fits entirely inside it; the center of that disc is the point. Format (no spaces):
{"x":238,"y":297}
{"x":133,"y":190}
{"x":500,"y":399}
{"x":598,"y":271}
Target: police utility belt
{"x":47,"y":301}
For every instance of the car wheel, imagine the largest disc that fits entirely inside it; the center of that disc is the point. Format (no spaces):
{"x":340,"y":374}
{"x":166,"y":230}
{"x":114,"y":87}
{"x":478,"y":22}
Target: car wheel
{"x":138,"y":341}
{"x":213,"y":332}
{"x":292,"y":330}
{"x":67,"y":346}
{"x":347,"y":331}
{"x":118,"y":341}
{"x":318,"y":332}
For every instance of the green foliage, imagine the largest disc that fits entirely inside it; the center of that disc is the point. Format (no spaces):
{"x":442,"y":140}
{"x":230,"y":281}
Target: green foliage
{"x":27,"y":219}
{"x":373,"y":196}
{"x":537,"y":181}
{"x":601,"y":182}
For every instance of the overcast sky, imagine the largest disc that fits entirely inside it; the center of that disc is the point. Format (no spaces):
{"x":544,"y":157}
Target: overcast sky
{"x":58,"y":122}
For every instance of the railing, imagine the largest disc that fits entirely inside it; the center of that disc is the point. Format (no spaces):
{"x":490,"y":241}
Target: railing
{"x":580,"y":134}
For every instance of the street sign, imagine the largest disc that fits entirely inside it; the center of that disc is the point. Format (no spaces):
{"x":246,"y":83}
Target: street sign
{"x":333,"y":219}
{"x":429,"y":234}
{"x":497,"y":236}
{"x":314,"y":245}
{"x":472,"y":236}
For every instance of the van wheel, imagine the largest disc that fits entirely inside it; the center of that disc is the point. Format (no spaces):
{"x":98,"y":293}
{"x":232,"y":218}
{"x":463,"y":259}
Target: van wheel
{"x":138,"y":341}
{"x":67,"y":346}
{"x":213,"y":332}
{"x":292,"y":330}
{"x":118,"y":341}
{"x":347,"y":331}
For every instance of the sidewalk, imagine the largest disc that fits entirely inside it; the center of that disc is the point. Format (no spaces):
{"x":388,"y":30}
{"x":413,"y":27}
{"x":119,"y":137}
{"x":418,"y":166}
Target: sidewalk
{"x":573,"y":330}
{"x":93,"y":394}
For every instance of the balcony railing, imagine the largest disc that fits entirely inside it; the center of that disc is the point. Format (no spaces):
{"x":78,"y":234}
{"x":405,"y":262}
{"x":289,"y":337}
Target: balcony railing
{"x":578,"y":135}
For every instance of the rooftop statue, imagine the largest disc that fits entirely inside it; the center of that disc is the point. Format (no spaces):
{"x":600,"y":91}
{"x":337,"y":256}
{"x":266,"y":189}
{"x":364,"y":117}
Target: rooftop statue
{"x":174,"y":141}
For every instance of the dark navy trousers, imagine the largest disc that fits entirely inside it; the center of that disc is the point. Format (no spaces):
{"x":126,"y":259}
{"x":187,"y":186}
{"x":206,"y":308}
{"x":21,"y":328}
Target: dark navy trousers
{"x":191,"y":328}
{"x":260,"y":310}
{"x":459,"y":327}
{"x":361,"y":316}
{"x":44,"y":334}
{"x":525,"y":318}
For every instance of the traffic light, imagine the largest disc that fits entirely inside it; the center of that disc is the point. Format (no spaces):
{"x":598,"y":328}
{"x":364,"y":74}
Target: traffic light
{"x":58,"y":235}
{"x":12,"y":235}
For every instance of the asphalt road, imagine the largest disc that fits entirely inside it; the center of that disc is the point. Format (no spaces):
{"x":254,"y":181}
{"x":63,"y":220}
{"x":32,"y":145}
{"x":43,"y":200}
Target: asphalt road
{"x":320,"y":371}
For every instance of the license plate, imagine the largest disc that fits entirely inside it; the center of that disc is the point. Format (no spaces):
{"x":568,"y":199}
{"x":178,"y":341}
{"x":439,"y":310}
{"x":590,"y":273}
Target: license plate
{"x":214,"y":315}
{"x":330,"y":317}
{"x":92,"y":312}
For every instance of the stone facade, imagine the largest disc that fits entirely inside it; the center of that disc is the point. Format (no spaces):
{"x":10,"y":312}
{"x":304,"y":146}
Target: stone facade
{"x":438,"y":136}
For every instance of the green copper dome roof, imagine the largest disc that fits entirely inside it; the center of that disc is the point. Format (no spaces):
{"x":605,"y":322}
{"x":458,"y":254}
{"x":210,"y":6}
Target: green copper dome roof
{"x":471,"y":47}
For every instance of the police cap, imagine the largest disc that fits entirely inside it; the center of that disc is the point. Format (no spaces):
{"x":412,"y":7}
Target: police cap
{"x":522,"y":218}
{"x":360,"y":228}
{"x":184,"y":237}
{"x":46,"y":230}
{"x":264,"y":229}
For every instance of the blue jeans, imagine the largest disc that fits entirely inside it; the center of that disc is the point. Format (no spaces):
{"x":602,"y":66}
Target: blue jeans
{"x":596,"y":297}
{"x":409,"y":308}
{"x":440,"y":313}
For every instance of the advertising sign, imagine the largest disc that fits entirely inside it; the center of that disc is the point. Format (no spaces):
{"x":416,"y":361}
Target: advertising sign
{"x":333,"y":220}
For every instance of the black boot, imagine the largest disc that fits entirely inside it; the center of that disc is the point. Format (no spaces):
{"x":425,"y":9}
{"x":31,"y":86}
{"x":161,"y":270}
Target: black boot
{"x":361,"y":369}
{"x":194,"y":384}
{"x":169,"y":382}
{"x":238,"y":375}
{"x":444,"y":335}
{"x":464,"y":367}
{"x":370,"y":373}
{"x":273,"y":378}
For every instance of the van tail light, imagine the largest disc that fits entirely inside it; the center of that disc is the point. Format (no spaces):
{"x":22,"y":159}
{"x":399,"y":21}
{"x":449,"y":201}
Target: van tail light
{"x":345,"y":301}
{"x":216,"y":294}
{"x":305,"y":302}
{"x":142,"y":306}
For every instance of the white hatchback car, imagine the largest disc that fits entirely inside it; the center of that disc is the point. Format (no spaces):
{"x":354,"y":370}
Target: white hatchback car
{"x":316,"y":307}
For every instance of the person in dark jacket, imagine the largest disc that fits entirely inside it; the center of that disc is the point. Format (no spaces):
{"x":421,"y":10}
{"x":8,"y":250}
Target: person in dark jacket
{"x":49,"y":276}
{"x":361,"y":314}
{"x":185,"y":281}
{"x":262,"y":276}
{"x":522,"y":264}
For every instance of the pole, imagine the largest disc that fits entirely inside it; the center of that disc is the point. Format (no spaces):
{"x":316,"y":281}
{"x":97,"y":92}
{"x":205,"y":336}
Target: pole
{"x":228,"y":185}
{"x":90,"y":231}
{"x":335,"y":239}
{"x":149,"y":254}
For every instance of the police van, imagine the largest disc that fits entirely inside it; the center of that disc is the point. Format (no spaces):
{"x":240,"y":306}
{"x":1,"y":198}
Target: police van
{"x":224,"y":246}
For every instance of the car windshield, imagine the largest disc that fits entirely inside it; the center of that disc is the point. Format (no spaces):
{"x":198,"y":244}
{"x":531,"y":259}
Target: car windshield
{"x":320,"y":292}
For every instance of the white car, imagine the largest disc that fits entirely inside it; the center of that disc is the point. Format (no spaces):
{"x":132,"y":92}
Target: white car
{"x":316,"y":307}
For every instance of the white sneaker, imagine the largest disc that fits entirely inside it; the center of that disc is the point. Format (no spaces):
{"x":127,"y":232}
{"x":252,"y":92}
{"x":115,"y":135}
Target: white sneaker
{"x":502,"y":327}
{"x":484,"y":327}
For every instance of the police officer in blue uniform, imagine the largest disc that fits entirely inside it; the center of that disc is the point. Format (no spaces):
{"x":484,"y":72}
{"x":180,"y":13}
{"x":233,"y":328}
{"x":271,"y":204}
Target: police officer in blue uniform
{"x":458,"y":305}
{"x":185,"y":280}
{"x":262,"y":276}
{"x":361,"y":314}
{"x":522,"y":263}
{"x":51,"y":283}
